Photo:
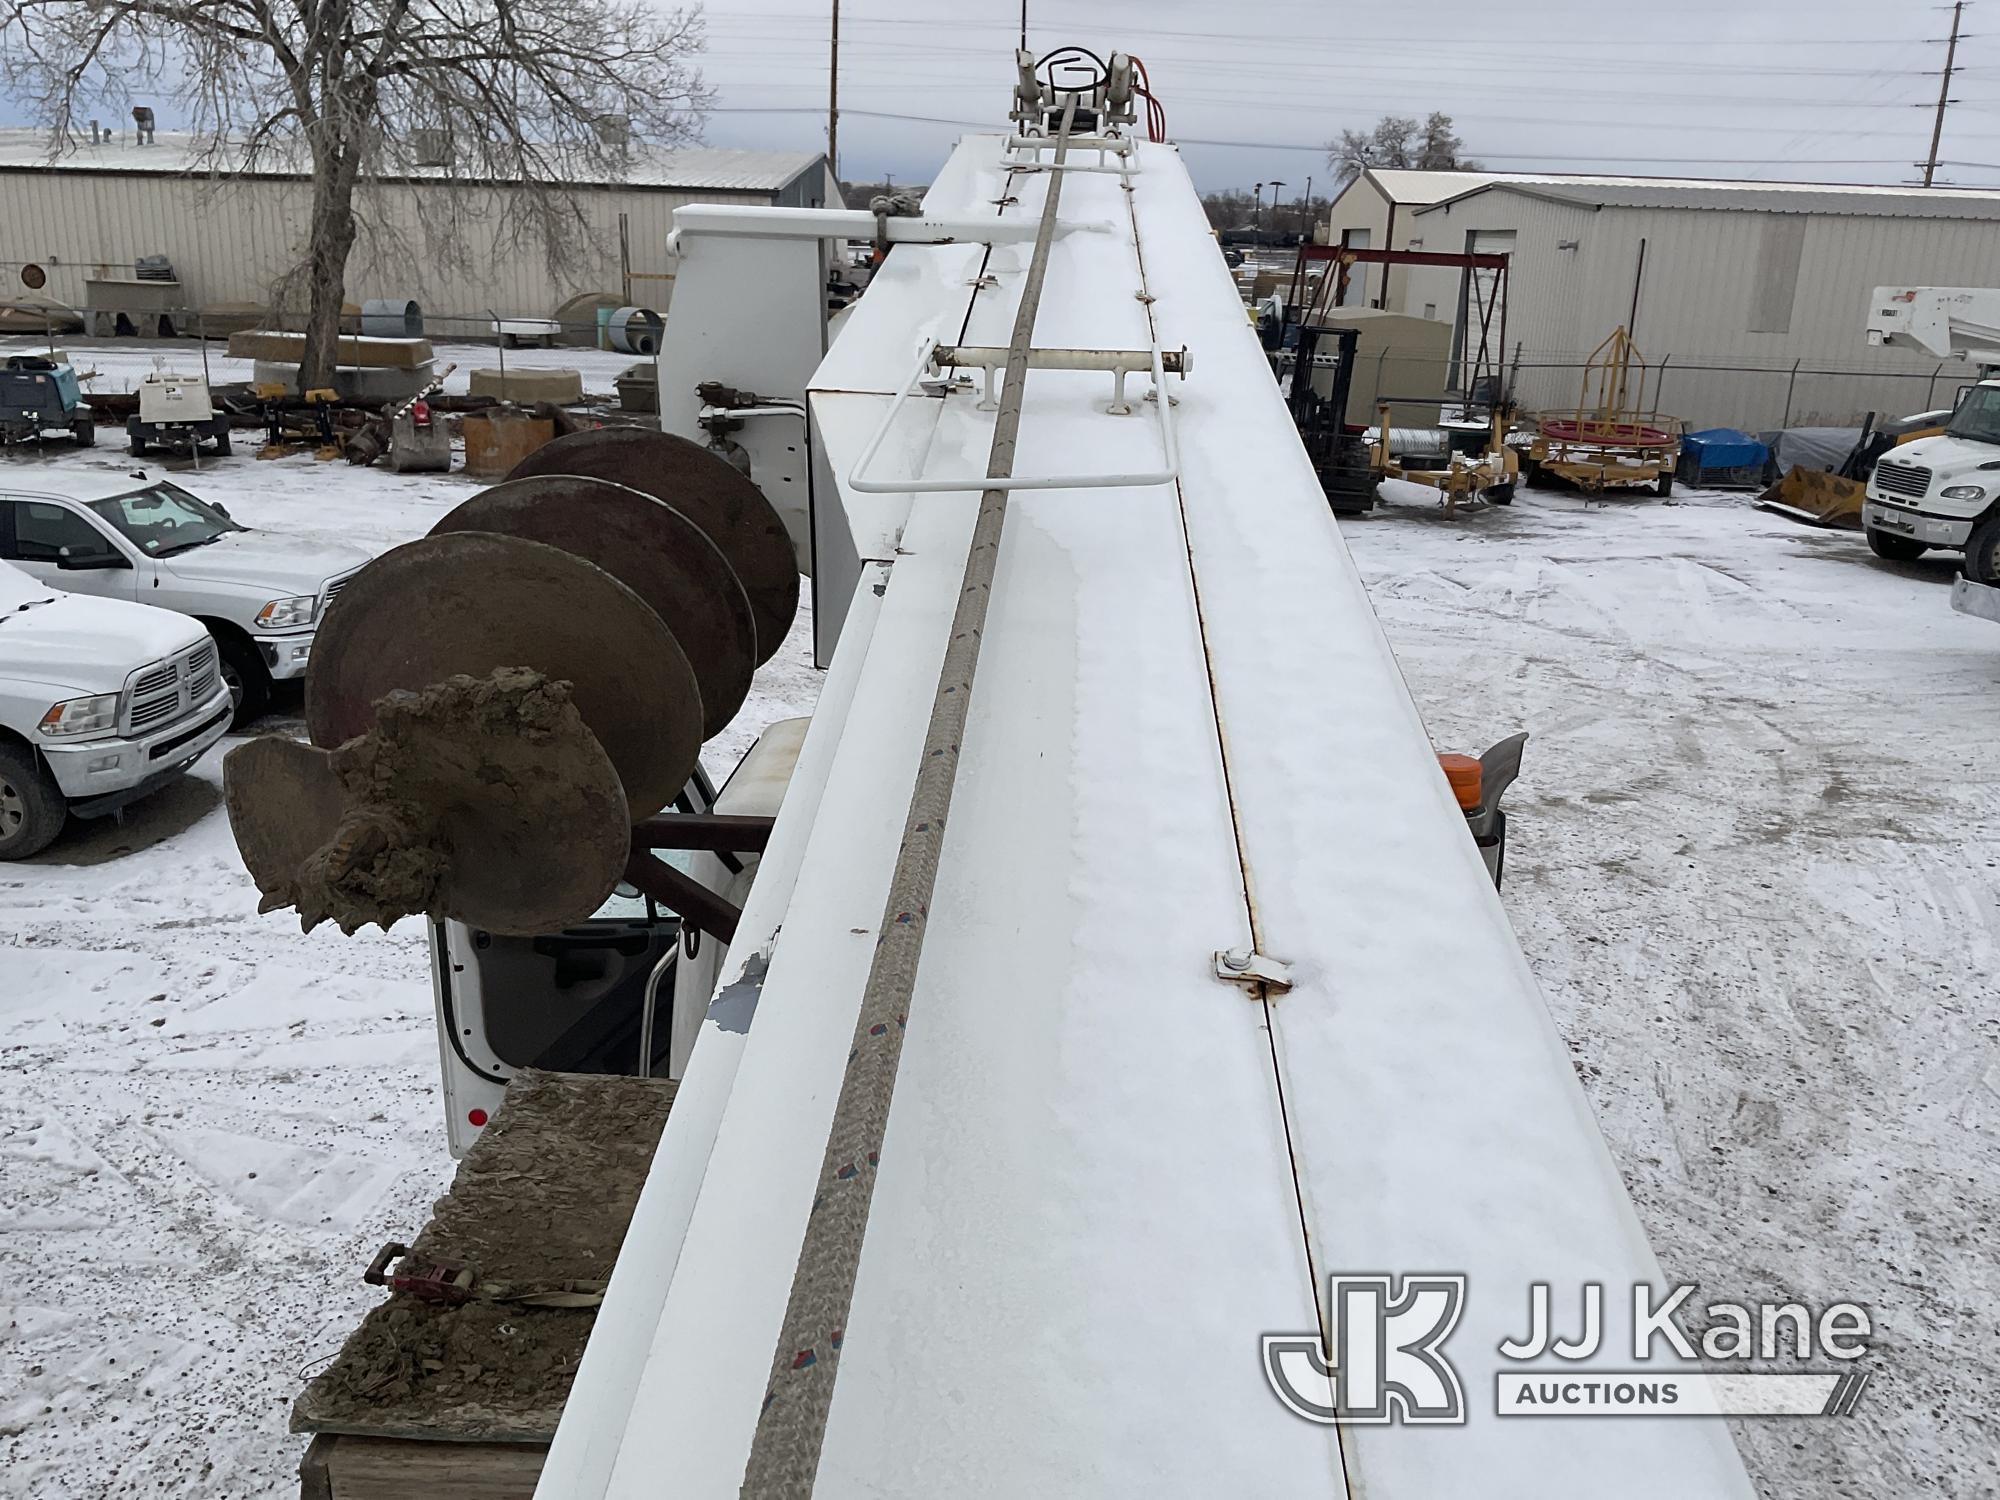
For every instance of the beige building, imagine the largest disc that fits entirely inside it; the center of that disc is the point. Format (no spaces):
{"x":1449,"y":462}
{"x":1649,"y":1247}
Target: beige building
{"x":1748,"y":299}
{"x":96,"y":210}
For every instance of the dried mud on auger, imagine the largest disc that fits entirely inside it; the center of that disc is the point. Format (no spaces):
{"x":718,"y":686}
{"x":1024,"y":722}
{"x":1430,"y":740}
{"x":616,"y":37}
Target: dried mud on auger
{"x":493,"y":707}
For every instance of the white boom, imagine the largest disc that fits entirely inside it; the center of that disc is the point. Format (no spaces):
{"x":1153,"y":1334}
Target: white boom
{"x":1215,"y":998}
{"x":1950,"y":322}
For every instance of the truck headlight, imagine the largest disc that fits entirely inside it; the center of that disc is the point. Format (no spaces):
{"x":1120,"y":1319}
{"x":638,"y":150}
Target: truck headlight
{"x":81,"y":716}
{"x":1962,"y":492}
{"x":280,"y":613}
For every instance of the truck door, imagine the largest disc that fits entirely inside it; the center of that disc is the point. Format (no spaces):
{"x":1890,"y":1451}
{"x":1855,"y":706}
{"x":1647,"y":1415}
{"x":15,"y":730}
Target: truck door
{"x":64,"y":548}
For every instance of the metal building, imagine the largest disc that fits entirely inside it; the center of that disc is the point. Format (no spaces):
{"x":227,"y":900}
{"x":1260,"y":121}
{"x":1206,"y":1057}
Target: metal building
{"x":95,"y":211}
{"x":1749,"y":298}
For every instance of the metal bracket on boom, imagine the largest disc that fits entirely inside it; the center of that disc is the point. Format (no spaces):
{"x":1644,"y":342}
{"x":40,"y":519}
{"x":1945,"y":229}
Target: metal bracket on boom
{"x":1260,"y":975}
{"x":1120,"y":362}
{"x":929,"y":360}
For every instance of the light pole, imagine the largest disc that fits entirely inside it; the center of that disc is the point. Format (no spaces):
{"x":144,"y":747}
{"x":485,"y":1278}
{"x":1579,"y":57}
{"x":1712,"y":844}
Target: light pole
{"x":1257,"y":213}
{"x":1274,"y":205}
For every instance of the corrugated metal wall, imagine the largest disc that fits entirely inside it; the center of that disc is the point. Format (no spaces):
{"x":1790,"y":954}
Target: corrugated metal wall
{"x":229,"y":242}
{"x":1708,"y":280}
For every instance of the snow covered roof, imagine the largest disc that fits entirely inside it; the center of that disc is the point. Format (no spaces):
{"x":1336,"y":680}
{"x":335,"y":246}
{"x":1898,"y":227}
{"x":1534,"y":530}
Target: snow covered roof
{"x":1403,"y":186}
{"x":177,"y":153}
{"x":1428,"y":190}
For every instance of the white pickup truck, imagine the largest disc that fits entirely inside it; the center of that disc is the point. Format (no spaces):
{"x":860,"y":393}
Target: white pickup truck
{"x":101,"y":702}
{"x":150,"y":541}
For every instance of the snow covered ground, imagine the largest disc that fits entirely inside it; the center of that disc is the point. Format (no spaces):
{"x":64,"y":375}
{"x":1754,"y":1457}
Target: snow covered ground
{"x":1752,"y":860}
{"x":209,"y":1121}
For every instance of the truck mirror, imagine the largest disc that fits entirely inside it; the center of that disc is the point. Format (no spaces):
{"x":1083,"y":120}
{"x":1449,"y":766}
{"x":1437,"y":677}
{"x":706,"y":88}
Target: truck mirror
{"x":73,"y":562}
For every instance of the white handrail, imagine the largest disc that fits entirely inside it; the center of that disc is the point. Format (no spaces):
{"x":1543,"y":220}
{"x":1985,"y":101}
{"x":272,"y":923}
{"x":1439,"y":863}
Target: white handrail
{"x":979,"y":483}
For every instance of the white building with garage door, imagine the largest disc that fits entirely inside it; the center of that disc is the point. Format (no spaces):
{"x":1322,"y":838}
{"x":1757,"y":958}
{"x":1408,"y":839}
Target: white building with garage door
{"x":1749,"y":299}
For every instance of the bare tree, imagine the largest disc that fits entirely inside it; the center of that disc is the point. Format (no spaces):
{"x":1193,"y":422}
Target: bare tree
{"x":1400,"y":141}
{"x":1441,"y":150}
{"x":463,"y":94}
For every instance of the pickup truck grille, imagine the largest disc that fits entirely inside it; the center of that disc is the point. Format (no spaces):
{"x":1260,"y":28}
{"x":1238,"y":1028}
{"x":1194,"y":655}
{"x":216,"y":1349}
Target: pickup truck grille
{"x":333,"y":592}
{"x":165,"y":691}
{"x":1908,"y":480}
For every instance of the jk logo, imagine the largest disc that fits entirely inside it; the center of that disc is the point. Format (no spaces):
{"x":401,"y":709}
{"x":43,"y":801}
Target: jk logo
{"x":1387,"y":1364}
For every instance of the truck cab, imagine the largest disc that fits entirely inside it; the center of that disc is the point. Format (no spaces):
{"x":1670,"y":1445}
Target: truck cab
{"x":101,"y":702}
{"x":260,"y":595}
{"x":1943,"y":491}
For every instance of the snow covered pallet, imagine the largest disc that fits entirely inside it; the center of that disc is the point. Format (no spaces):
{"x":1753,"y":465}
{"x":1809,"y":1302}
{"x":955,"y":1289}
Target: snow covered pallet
{"x":453,"y":1386}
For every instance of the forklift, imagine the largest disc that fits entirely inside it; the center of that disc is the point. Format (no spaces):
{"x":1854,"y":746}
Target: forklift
{"x":1338,"y":448}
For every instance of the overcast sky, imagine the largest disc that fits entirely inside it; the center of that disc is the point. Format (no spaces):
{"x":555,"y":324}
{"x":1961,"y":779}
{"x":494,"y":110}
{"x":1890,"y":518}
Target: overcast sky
{"x":1826,"y":90}
{"x":1833,"y":90}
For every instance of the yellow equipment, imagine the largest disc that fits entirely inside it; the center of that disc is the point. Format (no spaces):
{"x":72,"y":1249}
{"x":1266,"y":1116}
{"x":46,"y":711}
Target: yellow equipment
{"x":1819,"y":498}
{"x":1609,"y":439}
{"x":1490,"y":477}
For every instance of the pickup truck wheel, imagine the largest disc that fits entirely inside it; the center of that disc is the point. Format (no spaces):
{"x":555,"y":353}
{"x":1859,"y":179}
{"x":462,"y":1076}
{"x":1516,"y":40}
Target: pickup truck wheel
{"x":32,"y":811}
{"x":84,"y":433}
{"x":1982,"y":552}
{"x":248,"y":681}
{"x":1894,"y":548}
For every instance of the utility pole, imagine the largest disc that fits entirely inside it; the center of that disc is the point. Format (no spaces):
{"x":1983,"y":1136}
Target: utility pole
{"x":833,"y":97}
{"x":1274,"y":207}
{"x":1944,"y":91}
{"x":1257,"y":212}
{"x":1024,"y":25}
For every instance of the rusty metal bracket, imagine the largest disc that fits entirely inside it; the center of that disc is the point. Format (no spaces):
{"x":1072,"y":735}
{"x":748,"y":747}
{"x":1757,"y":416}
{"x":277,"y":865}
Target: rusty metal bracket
{"x":697,"y":906}
{"x":721,"y":833}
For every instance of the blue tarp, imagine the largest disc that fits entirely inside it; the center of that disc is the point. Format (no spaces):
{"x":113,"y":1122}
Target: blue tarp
{"x":1724,"y":448}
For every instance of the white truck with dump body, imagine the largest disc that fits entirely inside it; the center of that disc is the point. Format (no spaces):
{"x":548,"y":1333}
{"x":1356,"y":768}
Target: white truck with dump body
{"x":260,"y":595}
{"x":101,"y":702}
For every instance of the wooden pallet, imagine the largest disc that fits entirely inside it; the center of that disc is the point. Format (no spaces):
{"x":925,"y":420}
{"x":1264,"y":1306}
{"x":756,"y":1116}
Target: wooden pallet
{"x":461,"y":1403}
{"x":340,"y":1466}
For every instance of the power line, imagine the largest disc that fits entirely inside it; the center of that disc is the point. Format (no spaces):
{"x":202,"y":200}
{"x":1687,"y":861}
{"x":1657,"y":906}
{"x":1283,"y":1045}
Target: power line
{"x":1621,"y":43}
{"x":1320,"y":147}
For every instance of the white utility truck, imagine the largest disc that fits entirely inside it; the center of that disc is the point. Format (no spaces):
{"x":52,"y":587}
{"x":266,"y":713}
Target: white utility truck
{"x":1117,"y":980}
{"x":101,"y":702}
{"x":1194,"y":992}
{"x":1942,"y":491}
{"x":259,"y":595}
